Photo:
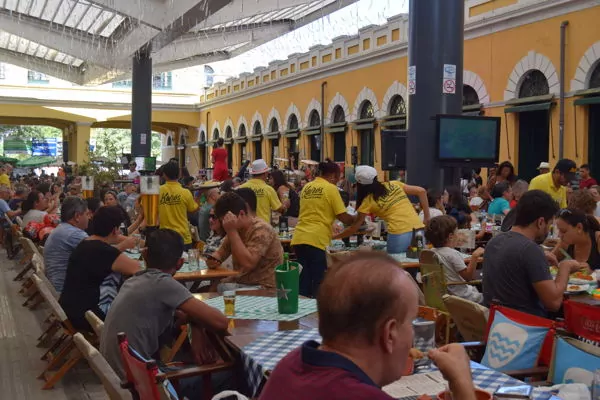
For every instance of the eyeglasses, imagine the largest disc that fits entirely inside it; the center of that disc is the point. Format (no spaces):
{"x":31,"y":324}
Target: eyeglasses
{"x":565,"y":212}
{"x":212,"y":216}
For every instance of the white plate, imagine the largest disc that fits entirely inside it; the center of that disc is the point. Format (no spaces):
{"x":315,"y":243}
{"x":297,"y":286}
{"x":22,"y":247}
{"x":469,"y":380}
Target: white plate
{"x":576,"y":281}
{"x":580,"y":288}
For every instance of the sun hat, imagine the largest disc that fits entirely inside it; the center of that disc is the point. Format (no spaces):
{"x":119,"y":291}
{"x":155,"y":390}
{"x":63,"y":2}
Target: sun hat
{"x":365,"y":175}
{"x":259,"y":167}
{"x":544,"y":165}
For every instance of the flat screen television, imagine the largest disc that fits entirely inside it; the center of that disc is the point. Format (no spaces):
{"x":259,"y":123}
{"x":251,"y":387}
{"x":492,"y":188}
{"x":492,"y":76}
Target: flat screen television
{"x":467,"y":140}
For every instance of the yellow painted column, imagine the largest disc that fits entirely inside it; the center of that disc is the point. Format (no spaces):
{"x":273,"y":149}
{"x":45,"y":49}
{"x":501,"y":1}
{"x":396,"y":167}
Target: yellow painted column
{"x":81,"y":143}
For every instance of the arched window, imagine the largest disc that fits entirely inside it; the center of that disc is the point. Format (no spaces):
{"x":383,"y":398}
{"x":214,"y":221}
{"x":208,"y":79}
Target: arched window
{"x":315,"y":119}
{"x":243,"y":150}
{"x":595,"y":77}
{"x":257,"y":130}
{"x":397,"y":106}
{"x":242,"y":131}
{"x":215,"y":134}
{"x":366,"y":111}
{"x":339,"y":138}
{"x":273,"y":125}
{"x":367,"y":136}
{"x":315,"y":140}
{"x":534,"y":83}
{"x":292,"y":122}
{"x":202,"y":149}
{"x":169,"y":140}
{"x":470,"y":96}
{"x":229,"y":146}
{"x":228,"y":132}
{"x":202,"y":136}
{"x":338,"y":115}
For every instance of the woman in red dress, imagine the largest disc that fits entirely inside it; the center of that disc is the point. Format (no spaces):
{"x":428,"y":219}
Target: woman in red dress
{"x":219,"y":160}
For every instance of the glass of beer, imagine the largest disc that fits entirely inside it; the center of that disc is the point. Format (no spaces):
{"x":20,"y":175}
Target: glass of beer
{"x":150,"y":189}
{"x":229,"y":300}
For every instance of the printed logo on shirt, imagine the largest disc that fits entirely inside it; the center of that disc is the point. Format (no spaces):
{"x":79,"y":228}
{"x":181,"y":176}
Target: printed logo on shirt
{"x":260,"y":192}
{"x":394,"y":195}
{"x":170,"y":199}
{"x":312,"y":192}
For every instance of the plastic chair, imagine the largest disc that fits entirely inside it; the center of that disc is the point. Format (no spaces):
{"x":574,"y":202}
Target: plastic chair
{"x":108,"y":377}
{"x":470,"y":318}
{"x":583,"y":320}
{"x":29,"y":249}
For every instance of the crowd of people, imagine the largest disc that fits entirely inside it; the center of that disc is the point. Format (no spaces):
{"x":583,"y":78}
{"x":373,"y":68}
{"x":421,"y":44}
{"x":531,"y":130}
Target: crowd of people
{"x":234,"y":220}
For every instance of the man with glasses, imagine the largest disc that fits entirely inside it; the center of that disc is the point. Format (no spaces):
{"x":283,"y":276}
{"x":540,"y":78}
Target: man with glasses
{"x":515,"y":269}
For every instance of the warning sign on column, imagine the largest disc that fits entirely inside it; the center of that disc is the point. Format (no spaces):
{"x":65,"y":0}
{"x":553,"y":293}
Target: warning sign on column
{"x":412,"y":79}
{"x":449,"y":86}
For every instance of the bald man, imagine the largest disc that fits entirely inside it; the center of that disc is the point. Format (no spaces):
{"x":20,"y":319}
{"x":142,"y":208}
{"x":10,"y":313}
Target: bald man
{"x":212,"y":195}
{"x":365,"y":320}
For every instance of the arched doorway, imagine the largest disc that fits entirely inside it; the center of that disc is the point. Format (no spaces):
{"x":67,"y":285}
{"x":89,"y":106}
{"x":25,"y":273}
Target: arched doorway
{"x":242,"y":139}
{"x":273,"y":137}
{"x":534,"y":124}
{"x":339,"y":137}
{"x":470,"y":96}
{"x":366,"y":134}
{"x":257,"y":139}
{"x":292,"y":133}
{"x":594,"y":125}
{"x":394,"y":122}
{"x":202,"y":149}
{"x":229,"y":146}
{"x":314,"y":130}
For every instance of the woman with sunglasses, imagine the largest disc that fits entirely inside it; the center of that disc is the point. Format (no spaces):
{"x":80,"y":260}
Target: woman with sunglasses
{"x":579,"y":238}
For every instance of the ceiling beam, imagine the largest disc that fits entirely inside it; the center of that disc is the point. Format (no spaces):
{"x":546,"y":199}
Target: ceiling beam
{"x":51,"y":68}
{"x":192,"y":61}
{"x":69,"y":41}
{"x":213,"y":40}
{"x":239,"y":9}
{"x":154,"y":13}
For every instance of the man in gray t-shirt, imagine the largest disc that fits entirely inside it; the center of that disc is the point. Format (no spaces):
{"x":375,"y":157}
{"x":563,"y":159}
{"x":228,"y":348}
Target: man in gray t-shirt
{"x":516,"y":273}
{"x":145,"y":307}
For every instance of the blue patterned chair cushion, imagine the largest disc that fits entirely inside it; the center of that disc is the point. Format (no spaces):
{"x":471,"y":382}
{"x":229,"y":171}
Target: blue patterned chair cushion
{"x":512,"y":346}
{"x":573,"y":364}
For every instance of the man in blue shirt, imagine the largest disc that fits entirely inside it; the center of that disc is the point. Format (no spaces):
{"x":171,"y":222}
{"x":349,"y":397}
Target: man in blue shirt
{"x":63,"y":240}
{"x":5,"y":211}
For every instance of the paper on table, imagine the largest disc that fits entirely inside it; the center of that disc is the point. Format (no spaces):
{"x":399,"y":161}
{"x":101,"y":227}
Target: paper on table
{"x":417,"y":384}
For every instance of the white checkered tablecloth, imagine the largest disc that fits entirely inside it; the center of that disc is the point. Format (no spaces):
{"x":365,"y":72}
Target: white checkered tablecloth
{"x":257,"y":307}
{"x":187,"y":268}
{"x":264,"y":353}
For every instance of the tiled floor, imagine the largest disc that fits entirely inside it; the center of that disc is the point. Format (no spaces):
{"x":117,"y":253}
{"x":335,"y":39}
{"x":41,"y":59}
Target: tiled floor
{"x":20,"y":362}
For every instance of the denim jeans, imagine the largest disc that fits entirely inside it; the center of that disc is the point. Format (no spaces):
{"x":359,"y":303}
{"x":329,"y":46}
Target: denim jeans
{"x":314,"y":264}
{"x":398,"y":243}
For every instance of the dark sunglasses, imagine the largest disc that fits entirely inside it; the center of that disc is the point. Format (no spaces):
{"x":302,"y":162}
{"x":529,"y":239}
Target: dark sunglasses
{"x":565,"y":212}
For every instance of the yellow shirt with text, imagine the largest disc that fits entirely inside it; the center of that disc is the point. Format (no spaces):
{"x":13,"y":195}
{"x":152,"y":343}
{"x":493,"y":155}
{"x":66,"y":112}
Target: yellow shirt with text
{"x":394,"y":208}
{"x":4,"y":180}
{"x":320,"y":202}
{"x":173,"y":206}
{"x":545,"y":183}
{"x":266,"y":198}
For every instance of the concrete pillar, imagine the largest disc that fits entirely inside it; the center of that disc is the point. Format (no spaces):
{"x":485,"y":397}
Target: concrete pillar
{"x":436,"y":35}
{"x":80,"y":142}
{"x":141,"y":104}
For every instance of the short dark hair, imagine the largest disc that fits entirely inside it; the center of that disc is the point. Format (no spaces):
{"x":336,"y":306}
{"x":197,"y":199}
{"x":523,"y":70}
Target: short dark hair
{"x":93,"y":204}
{"x":164,"y":249}
{"x":106,"y":219}
{"x":328,"y":167}
{"x":220,"y":141}
{"x":171,"y":170}
{"x":586,"y":166}
{"x":533,"y":205}
{"x":43,"y":188}
{"x":71,"y":206}
{"x":249,"y":197}
{"x":340,"y":299}
{"x":29,"y":203}
{"x":230,"y":202}
{"x":439,"y":230}
{"x":499,"y":189}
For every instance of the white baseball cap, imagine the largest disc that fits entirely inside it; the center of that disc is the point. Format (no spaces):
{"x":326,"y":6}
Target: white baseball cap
{"x":544,"y":165}
{"x":365,"y":175}
{"x":259,"y":167}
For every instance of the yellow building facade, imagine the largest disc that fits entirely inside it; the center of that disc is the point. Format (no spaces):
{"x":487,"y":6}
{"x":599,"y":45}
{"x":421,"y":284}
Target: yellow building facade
{"x":511,"y":70}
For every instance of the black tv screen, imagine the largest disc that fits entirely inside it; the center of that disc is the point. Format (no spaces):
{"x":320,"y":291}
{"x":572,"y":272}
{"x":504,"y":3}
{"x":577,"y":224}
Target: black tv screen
{"x":463,"y":139}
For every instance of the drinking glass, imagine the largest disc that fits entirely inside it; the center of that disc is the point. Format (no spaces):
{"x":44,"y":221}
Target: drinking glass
{"x":228,"y":291}
{"x":138,"y":239}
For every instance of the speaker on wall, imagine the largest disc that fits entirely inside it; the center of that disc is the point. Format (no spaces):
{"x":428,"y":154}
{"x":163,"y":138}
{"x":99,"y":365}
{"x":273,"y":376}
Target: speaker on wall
{"x":354,"y":155}
{"x":393,"y":150}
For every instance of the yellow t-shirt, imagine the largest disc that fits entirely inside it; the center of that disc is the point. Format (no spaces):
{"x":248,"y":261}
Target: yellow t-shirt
{"x":4,"y":180}
{"x":266,"y":198}
{"x":173,"y":205}
{"x":320,"y":202}
{"x":545,"y":183}
{"x":394,"y":208}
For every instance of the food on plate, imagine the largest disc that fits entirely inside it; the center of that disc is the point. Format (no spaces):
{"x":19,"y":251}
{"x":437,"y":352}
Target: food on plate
{"x":415,"y":354}
{"x":582,"y":275}
{"x":573,"y":288}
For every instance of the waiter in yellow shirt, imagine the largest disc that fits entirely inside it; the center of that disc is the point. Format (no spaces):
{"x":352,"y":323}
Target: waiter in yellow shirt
{"x":4,"y":179}
{"x":389,"y":201}
{"x":320,"y":204}
{"x":174,"y":204}
{"x":555,"y":183}
{"x":266,"y":197}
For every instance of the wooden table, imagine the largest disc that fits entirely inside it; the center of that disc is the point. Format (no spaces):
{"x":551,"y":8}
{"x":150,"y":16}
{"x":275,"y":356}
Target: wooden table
{"x":205,"y":275}
{"x":245,"y":331}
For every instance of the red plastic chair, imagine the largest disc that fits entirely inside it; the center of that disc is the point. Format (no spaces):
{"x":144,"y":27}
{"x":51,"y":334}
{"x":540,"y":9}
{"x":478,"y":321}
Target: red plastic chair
{"x":583,"y":320}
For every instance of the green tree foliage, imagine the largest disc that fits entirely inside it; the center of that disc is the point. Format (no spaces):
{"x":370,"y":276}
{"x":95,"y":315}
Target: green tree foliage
{"x":30,"y":132}
{"x":121,"y":140}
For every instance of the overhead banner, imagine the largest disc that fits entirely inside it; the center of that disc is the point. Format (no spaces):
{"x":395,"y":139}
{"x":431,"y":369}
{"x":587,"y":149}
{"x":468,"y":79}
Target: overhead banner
{"x":16,"y":146}
{"x":44,"y":147}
